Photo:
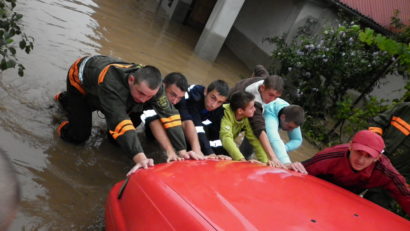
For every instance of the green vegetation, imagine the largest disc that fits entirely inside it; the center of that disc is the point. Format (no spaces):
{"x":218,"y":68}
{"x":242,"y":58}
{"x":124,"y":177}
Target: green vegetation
{"x":10,"y":30}
{"x":331,"y":74}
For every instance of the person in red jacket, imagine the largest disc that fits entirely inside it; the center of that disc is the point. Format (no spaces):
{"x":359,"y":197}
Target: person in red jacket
{"x":360,"y":165}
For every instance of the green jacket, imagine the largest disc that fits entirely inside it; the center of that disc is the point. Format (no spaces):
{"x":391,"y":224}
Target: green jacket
{"x":106,"y":85}
{"x":394,"y":126}
{"x":230,"y":129}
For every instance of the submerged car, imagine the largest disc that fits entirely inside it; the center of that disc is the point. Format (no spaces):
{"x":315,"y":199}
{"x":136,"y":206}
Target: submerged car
{"x":232,"y":195}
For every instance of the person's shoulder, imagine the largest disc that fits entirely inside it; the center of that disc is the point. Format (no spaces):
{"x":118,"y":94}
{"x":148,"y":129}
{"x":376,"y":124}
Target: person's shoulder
{"x":384,"y":164}
{"x":328,"y":157}
{"x":337,"y":151}
{"x":181,"y":104}
{"x":195,"y":93}
{"x":227,"y":110}
{"x":246,"y":82}
{"x":276,"y":105}
{"x":402,"y":107}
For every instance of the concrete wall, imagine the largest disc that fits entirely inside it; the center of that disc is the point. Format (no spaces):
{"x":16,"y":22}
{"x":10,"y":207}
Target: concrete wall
{"x":260,"y":19}
{"x":390,"y":88}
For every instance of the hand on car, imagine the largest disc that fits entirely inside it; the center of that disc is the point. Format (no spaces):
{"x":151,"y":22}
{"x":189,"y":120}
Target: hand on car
{"x":214,"y":156}
{"x":174,"y":157}
{"x":276,"y":163}
{"x":297,"y":166}
{"x":141,"y":161}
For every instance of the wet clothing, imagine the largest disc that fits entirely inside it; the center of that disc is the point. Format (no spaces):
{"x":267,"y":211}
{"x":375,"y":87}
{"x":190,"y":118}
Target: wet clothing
{"x":230,"y":129}
{"x":150,"y":115}
{"x":252,"y":85}
{"x":101,"y":83}
{"x":333,"y":165}
{"x":394,"y":127}
{"x":207,"y":123}
{"x":272,"y":118}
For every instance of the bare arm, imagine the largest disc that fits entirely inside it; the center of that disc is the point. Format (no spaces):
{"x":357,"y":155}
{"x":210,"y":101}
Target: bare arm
{"x":141,"y":161}
{"x":161,"y":136}
{"x":273,"y":160}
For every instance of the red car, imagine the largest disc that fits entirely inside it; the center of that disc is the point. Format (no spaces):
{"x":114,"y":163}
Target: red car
{"x":231,"y":195}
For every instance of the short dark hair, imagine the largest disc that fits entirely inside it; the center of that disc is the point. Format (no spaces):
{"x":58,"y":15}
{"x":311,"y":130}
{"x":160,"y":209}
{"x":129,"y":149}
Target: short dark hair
{"x":240,"y":99}
{"x":9,"y":191}
{"x":260,"y":71}
{"x":274,"y":82}
{"x":220,"y":86}
{"x":178,"y":79}
{"x":150,"y":74}
{"x":294,"y":113}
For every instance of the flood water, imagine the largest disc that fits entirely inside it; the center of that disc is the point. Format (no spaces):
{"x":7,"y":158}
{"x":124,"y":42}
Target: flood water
{"x":64,"y":186}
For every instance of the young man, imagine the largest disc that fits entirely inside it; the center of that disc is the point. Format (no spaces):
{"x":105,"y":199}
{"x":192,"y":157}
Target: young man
{"x":360,"y":165}
{"x":265,"y":91}
{"x":235,"y":120}
{"x":204,"y":107}
{"x":280,"y":115}
{"x":119,"y":90}
{"x":176,"y":86}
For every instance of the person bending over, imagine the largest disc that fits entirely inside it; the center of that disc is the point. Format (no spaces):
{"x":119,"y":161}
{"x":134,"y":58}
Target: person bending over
{"x":120,"y":90}
{"x":265,"y":90}
{"x":176,"y":87}
{"x":360,"y":165}
{"x":280,"y":115}
{"x":235,"y":120}
{"x":204,"y":108}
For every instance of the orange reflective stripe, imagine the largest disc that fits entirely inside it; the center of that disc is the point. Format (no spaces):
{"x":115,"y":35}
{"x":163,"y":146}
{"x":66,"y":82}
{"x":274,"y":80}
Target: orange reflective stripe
{"x":172,"y":124}
{"x":376,"y":130}
{"x":171,"y":121}
{"x":122,"y":128}
{"x":401,"y":122}
{"x":73,"y":77}
{"x":102,"y":74}
{"x":401,"y":125}
{"x":171,"y":118}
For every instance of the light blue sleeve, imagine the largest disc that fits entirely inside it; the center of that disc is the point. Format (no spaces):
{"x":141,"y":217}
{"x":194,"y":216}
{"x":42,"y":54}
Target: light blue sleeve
{"x":295,"y":139}
{"x":272,"y":130}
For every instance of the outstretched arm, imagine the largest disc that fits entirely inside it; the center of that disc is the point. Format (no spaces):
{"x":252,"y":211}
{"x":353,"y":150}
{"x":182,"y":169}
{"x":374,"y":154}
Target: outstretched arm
{"x":227,"y":139}
{"x":161,"y":136}
{"x":192,"y":136}
{"x":141,"y":161}
{"x":295,"y":139}
{"x":272,"y":130}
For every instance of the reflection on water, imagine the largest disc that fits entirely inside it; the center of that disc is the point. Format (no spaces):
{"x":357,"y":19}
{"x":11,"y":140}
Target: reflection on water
{"x":64,"y":186}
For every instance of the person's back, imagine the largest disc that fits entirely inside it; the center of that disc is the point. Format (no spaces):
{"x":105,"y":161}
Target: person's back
{"x":394,"y":127}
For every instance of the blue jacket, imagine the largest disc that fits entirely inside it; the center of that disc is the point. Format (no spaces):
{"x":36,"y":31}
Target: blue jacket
{"x":207,"y":123}
{"x":271,"y":115}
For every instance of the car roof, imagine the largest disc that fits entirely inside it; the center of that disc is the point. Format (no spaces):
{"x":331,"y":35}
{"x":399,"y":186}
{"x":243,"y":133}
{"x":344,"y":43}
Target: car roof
{"x":231,"y":195}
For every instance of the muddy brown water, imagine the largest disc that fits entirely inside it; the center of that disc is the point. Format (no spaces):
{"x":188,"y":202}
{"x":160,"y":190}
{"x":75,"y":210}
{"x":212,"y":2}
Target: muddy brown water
{"x":64,"y":186}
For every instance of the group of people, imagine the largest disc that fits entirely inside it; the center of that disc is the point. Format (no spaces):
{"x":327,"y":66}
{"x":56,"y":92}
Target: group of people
{"x":198,"y":122}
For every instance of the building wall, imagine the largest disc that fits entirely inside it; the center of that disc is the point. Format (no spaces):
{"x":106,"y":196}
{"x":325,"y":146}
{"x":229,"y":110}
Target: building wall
{"x":260,"y":19}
